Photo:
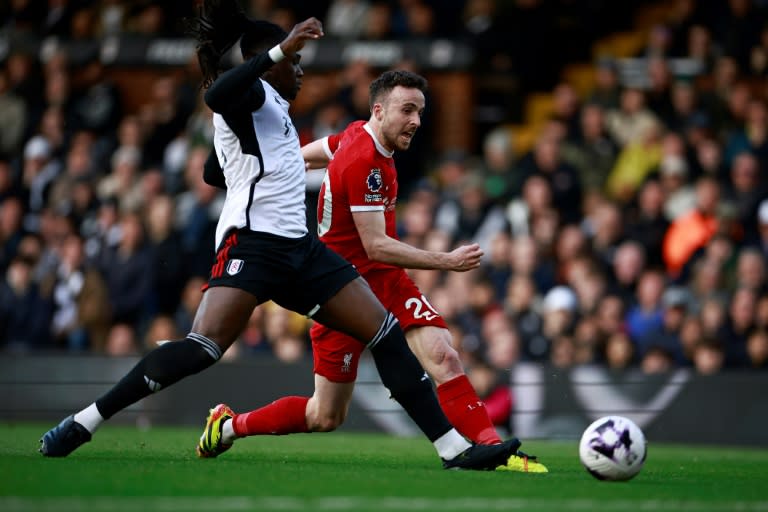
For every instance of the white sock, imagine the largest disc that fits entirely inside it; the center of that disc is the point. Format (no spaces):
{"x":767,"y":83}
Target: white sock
{"x":228,"y":432}
{"x":450,"y":444}
{"x":90,"y":418}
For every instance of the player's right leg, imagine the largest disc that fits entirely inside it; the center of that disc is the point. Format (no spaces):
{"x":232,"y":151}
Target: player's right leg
{"x":430,"y":341}
{"x":354,"y":310}
{"x":221,"y":316}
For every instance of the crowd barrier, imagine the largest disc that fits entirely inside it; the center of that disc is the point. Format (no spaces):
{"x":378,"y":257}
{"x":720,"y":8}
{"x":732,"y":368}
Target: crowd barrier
{"x":730,"y":408}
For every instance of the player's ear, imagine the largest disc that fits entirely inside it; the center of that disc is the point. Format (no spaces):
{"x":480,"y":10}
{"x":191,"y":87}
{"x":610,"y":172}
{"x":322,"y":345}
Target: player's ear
{"x":378,"y":111}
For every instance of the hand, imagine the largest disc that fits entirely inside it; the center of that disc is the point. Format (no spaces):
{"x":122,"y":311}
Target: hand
{"x":300,"y":34}
{"x":466,"y":257}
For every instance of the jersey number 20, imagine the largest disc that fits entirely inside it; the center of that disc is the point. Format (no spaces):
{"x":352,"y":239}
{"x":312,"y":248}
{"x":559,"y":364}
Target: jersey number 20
{"x":421,"y":308}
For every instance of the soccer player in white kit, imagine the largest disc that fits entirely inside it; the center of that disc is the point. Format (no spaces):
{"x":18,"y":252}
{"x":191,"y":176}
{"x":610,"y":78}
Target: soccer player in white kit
{"x":265,"y":253}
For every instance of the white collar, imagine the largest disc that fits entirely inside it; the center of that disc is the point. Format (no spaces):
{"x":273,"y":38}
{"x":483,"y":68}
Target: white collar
{"x":381,"y":149}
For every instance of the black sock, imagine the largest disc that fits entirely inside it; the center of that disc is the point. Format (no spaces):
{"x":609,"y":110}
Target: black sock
{"x":162,"y":367}
{"x":406,"y":380}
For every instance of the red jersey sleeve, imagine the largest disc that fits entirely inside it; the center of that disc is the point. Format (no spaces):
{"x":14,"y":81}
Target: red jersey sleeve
{"x":331,"y":144}
{"x":364,"y":186}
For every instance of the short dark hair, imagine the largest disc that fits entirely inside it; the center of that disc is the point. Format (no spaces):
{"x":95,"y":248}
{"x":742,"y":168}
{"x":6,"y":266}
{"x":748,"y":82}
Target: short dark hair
{"x":388,"y":80}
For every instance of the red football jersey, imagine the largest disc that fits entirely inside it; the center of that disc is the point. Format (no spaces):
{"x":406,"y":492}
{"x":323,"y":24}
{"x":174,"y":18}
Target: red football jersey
{"x":361,"y":177}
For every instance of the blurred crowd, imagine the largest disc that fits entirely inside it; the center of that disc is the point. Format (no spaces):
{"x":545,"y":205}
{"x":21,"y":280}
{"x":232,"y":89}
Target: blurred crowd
{"x":632,"y":233}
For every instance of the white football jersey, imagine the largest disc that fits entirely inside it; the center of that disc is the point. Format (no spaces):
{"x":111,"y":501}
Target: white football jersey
{"x":265,"y":186}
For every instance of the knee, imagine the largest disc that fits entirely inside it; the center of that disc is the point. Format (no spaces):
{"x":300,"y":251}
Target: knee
{"x":325,"y":422}
{"x":445,"y":361}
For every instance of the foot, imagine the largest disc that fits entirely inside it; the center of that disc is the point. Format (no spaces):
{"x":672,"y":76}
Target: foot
{"x":483,"y":457}
{"x":523,"y":463}
{"x":64,"y":438}
{"x":210,"y":444}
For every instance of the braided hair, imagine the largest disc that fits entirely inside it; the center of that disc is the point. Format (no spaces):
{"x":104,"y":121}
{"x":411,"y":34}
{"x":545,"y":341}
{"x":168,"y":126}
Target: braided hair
{"x":219,"y":25}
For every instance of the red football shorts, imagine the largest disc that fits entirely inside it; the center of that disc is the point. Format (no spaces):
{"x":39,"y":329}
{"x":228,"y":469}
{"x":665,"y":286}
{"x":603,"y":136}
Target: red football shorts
{"x":337,"y":355}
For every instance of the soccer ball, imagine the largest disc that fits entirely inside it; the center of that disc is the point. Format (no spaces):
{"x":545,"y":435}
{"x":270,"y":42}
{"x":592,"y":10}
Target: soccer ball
{"x":613,"y":448}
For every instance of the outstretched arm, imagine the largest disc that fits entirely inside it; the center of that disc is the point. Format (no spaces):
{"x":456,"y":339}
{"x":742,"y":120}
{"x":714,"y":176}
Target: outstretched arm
{"x":382,"y":248}
{"x":239,"y":87}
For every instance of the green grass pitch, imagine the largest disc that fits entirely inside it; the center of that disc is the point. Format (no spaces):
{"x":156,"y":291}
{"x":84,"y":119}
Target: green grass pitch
{"x":124,"y":469}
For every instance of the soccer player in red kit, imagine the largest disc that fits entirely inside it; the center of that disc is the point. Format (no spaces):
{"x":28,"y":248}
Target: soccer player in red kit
{"x":356,"y":218}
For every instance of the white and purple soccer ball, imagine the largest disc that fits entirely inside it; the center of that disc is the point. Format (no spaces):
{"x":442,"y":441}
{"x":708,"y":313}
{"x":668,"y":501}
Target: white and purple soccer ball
{"x":613,"y":448}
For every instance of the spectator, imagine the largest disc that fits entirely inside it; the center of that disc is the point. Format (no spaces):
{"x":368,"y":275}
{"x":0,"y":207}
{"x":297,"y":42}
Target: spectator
{"x":656,"y":360}
{"x":647,"y":314}
{"x":97,"y":106}
{"x":744,"y":191}
{"x":628,"y":265}
{"x":39,"y":170}
{"x":535,"y":201}
{"x":606,"y":91}
{"x":519,"y":305}
{"x":712,"y":314}
{"x":571,"y":245}
{"x":589,"y":283}
{"x":691,"y":336}
{"x":606,"y":229}
{"x":702,"y":48}
{"x":738,"y":324}
{"x":619,"y":351}
{"x":122,"y":341}
{"x":707,"y":282}
{"x":708,"y":357}
{"x":692,"y":231}
{"x":757,"y":349}
{"x":498,"y":165}
{"x":11,"y":229}
{"x":544,"y":160}
{"x":761,"y":313}
{"x":632,"y":121}
{"x":647,"y":223}
{"x":167,"y":255}
{"x":708,"y":160}
{"x":472,"y":216}
{"x":558,"y":312}
{"x":666,"y":337}
{"x":637,"y":158}
{"x":346,"y":18}
{"x":13,"y":118}
{"x":128,"y":272}
{"x":25,"y":315}
{"x":685,"y":111}
{"x":81,"y":306}
{"x":751,"y":271}
{"x":587,"y":342}
{"x":675,"y":181}
{"x":124,"y":178}
{"x":593,"y":152}
{"x":759,"y":239}
{"x":659,"y":90}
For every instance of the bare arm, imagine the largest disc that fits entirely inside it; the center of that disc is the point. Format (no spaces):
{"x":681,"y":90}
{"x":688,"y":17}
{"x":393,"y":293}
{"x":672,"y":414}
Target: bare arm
{"x":384,"y":249}
{"x":316,"y":154}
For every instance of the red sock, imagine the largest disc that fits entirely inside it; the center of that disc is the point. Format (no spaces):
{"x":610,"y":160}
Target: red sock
{"x":284,"y":416}
{"x":466,"y":411}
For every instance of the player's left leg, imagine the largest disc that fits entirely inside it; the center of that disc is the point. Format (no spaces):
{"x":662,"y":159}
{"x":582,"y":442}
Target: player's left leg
{"x":220,"y":318}
{"x":458,"y":399}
